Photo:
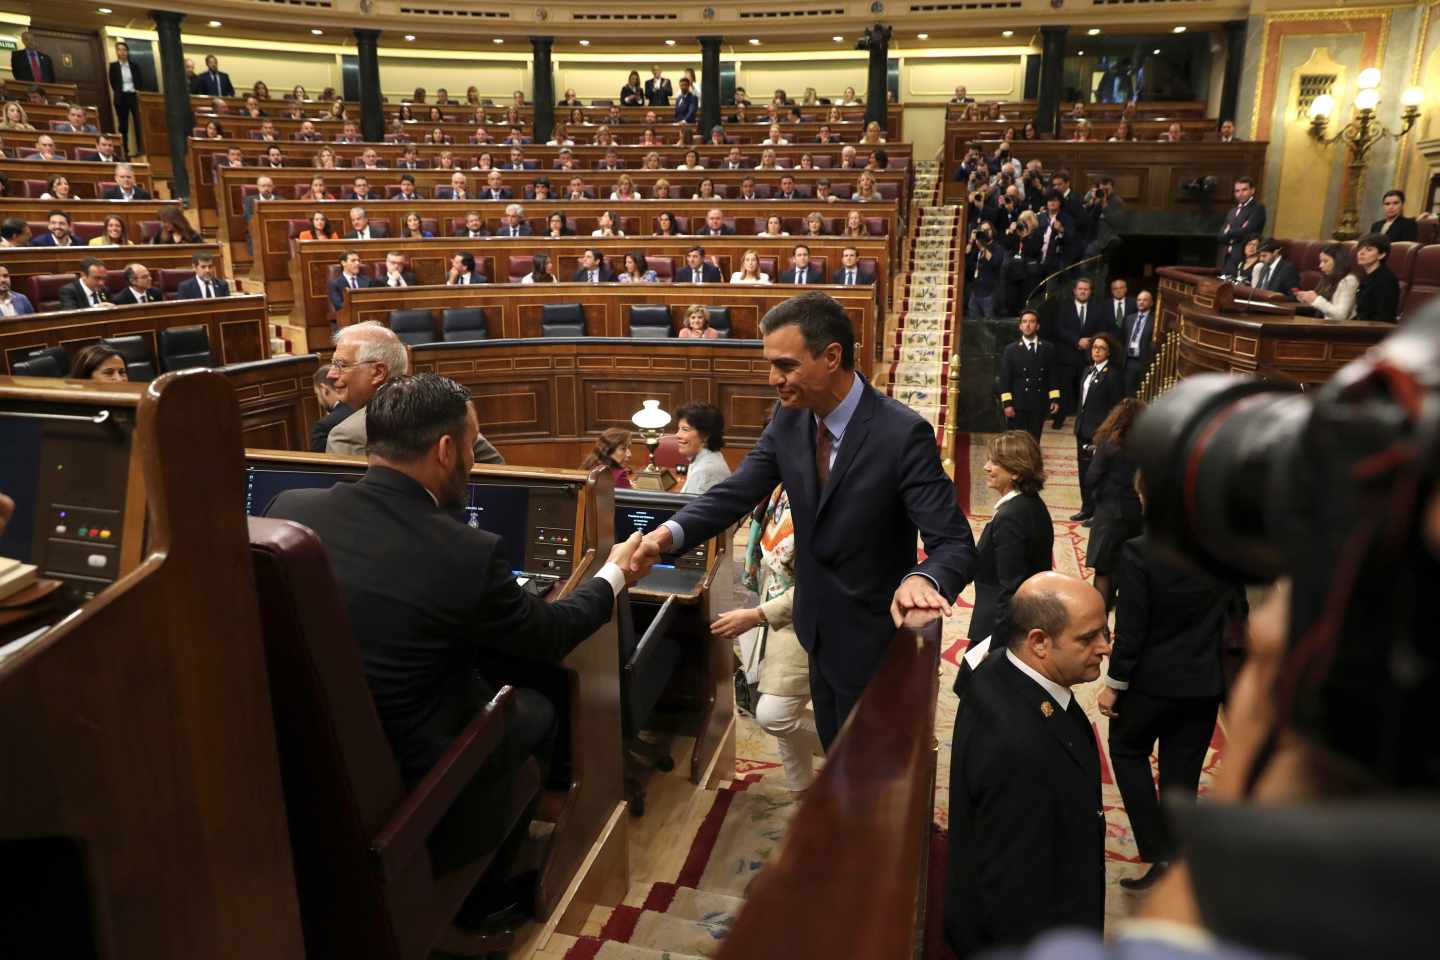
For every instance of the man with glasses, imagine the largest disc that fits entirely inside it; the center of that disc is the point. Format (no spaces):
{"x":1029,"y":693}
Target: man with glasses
{"x":366,"y":356}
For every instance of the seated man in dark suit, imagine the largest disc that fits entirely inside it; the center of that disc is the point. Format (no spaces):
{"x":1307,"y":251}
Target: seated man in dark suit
{"x":495,"y":188}
{"x":352,"y":275}
{"x":360,"y":228}
{"x":332,"y":406}
{"x":139,"y":286}
{"x":75,"y":122}
{"x":1277,"y":274}
{"x":205,"y":285}
{"x":850,"y":273}
{"x":474,"y":227}
{"x":360,"y":190}
{"x":398,"y":551}
{"x":864,"y":477}
{"x":1395,"y":225}
{"x":58,"y":235}
{"x":397,"y":272}
{"x":462,"y":271}
{"x":592,"y":268}
{"x":88,"y":290}
{"x":715,"y":225}
{"x":800,"y":271}
{"x":697,"y":269}
{"x":513,"y":224}
{"x":1027,"y":830}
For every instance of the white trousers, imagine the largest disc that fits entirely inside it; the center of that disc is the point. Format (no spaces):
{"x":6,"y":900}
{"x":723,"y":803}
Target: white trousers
{"x":784,"y":719}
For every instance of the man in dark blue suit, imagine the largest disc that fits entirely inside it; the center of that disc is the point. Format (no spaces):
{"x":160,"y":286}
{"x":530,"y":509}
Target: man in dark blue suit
{"x":212,"y":82}
{"x":863,"y":475}
{"x":687,"y":105}
{"x":352,"y":275}
{"x":205,"y":285}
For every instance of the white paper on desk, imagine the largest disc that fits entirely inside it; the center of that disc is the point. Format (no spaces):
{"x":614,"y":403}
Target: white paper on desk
{"x":18,"y":644}
{"x":977,"y":653}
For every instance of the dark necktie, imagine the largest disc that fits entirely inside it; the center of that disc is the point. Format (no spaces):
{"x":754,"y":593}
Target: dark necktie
{"x":1031,"y":348}
{"x":822,"y":453}
{"x":209,"y":290}
{"x":94,"y":299}
{"x":800,"y":275}
{"x":850,"y":277}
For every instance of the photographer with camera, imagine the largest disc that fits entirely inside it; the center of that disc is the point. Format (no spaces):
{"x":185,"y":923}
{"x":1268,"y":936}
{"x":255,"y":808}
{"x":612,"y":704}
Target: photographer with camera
{"x":984,"y":270}
{"x":1022,"y":248}
{"x":1101,"y":207}
{"x":1059,"y":237}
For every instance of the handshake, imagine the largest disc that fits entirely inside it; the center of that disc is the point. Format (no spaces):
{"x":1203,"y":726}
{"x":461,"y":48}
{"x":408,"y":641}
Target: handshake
{"x":638,"y":554}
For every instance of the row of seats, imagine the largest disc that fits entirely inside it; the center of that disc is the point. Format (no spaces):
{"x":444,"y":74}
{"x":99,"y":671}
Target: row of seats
{"x":1415,"y":265}
{"x":520,"y":266}
{"x":582,"y":224}
{"x":31,"y":153}
{"x":43,"y":289}
{"x":86,"y":230}
{"x":647,"y":321}
{"x":179,"y":348}
{"x":723,"y":191}
{"x":34,"y":189}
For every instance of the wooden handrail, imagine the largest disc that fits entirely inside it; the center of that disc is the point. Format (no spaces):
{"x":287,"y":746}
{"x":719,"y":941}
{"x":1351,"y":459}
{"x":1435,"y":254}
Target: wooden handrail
{"x":850,"y":879}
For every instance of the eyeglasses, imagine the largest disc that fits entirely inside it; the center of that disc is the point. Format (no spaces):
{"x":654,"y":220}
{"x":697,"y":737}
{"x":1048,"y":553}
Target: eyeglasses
{"x":340,"y":366}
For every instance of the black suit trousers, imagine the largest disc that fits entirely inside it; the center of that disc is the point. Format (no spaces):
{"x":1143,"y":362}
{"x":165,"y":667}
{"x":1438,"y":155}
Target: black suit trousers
{"x":1183,"y":726}
{"x":127,"y":108}
{"x":471,"y":829}
{"x":1083,"y":456}
{"x":1031,"y":421}
{"x":833,"y":701}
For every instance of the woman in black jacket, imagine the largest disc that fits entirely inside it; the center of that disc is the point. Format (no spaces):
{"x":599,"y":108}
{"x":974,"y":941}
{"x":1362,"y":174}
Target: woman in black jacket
{"x":1111,"y":479}
{"x":1019,"y":540}
{"x":633,"y":93}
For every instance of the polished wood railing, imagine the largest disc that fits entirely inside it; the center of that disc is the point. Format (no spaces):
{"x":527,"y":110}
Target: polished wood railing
{"x":850,"y":880}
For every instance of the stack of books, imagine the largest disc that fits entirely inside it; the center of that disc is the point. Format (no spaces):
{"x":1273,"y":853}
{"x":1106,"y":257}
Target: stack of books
{"x":15,"y":576}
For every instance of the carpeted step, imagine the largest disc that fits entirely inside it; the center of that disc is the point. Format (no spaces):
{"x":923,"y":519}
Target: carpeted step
{"x":589,"y":948}
{"x":669,"y":933}
{"x":690,"y":904}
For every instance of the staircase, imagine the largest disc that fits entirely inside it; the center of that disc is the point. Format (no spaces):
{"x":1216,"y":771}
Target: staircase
{"x":925,"y":308}
{"x":690,"y":916}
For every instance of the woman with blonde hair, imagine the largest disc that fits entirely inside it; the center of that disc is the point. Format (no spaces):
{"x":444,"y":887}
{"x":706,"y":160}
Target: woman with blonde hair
{"x":873,"y":133}
{"x":697,"y":327}
{"x":15,"y":117}
{"x":749,"y":271}
{"x":865,"y":189}
{"x":776,"y":137}
{"x":855,"y":225}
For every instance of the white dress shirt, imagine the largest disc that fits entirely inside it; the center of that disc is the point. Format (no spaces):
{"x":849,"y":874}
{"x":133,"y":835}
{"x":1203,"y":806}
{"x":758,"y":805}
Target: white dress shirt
{"x":1061,"y":694}
{"x":127,"y":79}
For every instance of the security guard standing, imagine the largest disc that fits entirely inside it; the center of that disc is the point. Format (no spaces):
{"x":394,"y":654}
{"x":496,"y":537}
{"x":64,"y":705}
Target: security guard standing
{"x":1027,"y":379}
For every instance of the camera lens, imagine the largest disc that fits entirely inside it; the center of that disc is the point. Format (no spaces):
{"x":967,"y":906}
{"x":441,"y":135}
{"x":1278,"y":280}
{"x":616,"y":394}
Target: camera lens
{"x":1215,"y":452}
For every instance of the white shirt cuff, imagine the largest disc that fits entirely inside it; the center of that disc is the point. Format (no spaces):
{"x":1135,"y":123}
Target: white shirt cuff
{"x":677,"y":535}
{"x":613,"y":575}
{"x":1114,"y":684}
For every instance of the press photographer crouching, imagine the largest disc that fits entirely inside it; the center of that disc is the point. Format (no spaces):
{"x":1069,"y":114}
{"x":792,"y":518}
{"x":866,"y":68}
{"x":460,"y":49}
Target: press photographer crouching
{"x":1321,"y":835}
{"x":984,"y":271}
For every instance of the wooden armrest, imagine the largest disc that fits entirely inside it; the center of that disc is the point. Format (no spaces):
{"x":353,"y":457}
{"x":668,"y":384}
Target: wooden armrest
{"x":404,"y":836}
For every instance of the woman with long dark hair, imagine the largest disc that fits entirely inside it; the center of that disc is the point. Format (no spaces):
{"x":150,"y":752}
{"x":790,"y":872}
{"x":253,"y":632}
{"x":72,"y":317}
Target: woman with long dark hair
{"x":612,"y":451}
{"x":1334,"y":295}
{"x":1111,"y":479}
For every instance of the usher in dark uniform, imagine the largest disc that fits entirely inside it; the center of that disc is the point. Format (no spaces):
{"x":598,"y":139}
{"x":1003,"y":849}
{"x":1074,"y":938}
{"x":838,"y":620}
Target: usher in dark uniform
{"x":1027,"y":829}
{"x":1028,"y":383}
{"x":425,"y":594}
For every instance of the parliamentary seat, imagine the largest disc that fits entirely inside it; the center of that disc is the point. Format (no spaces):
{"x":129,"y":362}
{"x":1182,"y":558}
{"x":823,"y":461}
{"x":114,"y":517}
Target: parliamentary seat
{"x":87,"y":153}
{"x":562,"y":320}
{"x":1424,"y":280}
{"x":663,"y":266}
{"x":30,"y":153}
{"x":650,"y":321}
{"x":768,"y":266}
{"x":185,"y":348}
{"x":169,"y":280}
{"x":114,"y":278}
{"x":413,"y":327}
{"x":649,"y":654}
{"x":1401,"y":261}
{"x":521,"y":265}
{"x":1427,"y":230}
{"x":358,"y":836}
{"x":719,"y":319}
{"x":46,"y":362}
{"x":137,"y":351}
{"x":44,"y":290}
{"x":87,"y":230}
{"x":149,"y":229}
{"x":459,"y":324}
{"x":29,"y":188}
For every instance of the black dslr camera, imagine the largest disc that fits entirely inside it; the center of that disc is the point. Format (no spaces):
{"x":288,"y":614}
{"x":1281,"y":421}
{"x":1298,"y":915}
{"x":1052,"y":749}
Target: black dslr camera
{"x":1254,"y":480}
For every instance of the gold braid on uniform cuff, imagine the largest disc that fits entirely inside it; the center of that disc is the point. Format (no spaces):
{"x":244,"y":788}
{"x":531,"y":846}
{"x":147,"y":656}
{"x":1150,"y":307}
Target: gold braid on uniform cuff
{"x":1006,"y":398}
{"x":1054,"y":394}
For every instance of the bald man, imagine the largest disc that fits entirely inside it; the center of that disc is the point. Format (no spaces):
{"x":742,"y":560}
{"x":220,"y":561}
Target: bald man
{"x":1027,"y":829}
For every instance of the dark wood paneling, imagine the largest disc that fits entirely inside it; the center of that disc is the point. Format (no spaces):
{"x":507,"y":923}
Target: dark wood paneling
{"x":277,"y":401}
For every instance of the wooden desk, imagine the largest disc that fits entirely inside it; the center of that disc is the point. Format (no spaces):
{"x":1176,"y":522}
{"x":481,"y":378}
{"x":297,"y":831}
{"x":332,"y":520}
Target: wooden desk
{"x":1100,"y":129}
{"x":85,"y":176}
{"x":134,"y":212}
{"x":277,"y":400}
{"x":272,"y":228}
{"x":1207,"y":332}
{"x":309,"y":276}
{"x":1144,"y":109}
{"x":236,"y":326}
{"x":868,"y":815}
{"x":1147,"y":175}
{"x":20,"y":89}
{"x":146,"y":786}
{"x":543,"y":402}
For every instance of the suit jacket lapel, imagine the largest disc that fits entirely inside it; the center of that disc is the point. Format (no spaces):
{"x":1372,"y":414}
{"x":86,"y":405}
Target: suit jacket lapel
{"x":1056,"y":722}
{"x":810,"y":484}
{"x":855,"y":432}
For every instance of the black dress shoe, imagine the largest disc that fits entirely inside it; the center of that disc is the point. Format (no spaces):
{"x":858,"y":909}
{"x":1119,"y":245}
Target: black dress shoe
{"x":1148,"y":879}
{"x":1082,"y":515}
{"x":1088,"y":523}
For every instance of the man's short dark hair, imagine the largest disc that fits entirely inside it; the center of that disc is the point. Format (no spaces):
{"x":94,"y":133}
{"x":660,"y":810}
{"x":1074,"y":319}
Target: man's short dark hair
{"x":1055,"y":195}
{"x":58,"y":213}
{"x":1035,"y":610}
{"x":409,"y":414}
{"x":1085,"y":280}
{"x":1061,"y":174}
{"x":822,"y":321}
{"x":1394,"y":193}
{"x":12,"y":228}
{"x":696,"y":249}
{"x":1376,"y":241}
{"x":89,"y":262}
{"x":1247,"y":180}
{"x":406,"y":176}
{"x":798,"y":247}
{"x":468,"y":259}
{"x":1272,"y":246}
{"x":1033,"y":313}
{"x":707,"y":419}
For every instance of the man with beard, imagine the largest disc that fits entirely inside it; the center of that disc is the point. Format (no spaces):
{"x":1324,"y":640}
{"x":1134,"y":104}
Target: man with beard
{"x":428,"y":598}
